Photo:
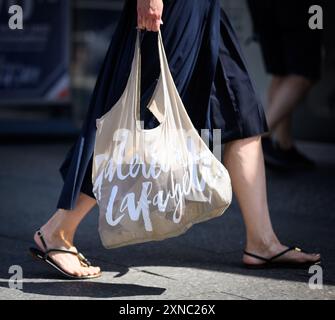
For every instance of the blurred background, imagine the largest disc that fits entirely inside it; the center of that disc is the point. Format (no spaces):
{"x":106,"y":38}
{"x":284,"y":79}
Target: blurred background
{"x":48,"y":70}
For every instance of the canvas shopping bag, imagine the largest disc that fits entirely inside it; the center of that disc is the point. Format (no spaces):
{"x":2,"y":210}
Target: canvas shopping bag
{"x":152,"y":184}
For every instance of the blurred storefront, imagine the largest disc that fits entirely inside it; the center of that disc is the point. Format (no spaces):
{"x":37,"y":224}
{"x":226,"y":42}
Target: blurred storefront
{"x":94,"y":22}
{"x":34,"y":61}
{"x":48,"y":69}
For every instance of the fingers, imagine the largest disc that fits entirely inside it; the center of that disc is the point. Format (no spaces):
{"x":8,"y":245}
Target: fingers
{"x":156,"y":25}
{"x":141,"y":22}
{"x":149,"y":15}
{"x":149,"y":24}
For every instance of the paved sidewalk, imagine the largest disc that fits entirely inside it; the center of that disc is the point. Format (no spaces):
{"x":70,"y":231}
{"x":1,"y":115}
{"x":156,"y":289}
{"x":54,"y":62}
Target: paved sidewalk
{"x":204,"y":263}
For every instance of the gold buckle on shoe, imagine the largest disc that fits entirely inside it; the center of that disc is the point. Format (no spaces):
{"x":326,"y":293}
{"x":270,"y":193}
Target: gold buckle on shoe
{"x":83,"y":259}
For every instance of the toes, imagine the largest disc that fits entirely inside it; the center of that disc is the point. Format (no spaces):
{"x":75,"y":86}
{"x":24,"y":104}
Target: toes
{"x":83,"y":272}
{"x":89,"y":271}
{"x":76,"y":273}
{"x":94,"y":270}
{"x":316,"y":256}
{"x":312,"y":257}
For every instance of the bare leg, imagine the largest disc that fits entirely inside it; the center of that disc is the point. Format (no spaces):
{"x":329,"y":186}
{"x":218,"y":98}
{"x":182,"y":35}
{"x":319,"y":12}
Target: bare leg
{"x":275,"y":85}
{"x":283,"y":133}
{"x":285,"y":96}
{"x":59,"y":231}
{"x":245,"y":163}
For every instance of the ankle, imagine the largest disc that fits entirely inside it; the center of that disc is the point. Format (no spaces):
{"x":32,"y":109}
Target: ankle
{"x":57,"y":236}
{"x":285,"y":144}
{"x":262,"y":244}
{"x":58,"y":228}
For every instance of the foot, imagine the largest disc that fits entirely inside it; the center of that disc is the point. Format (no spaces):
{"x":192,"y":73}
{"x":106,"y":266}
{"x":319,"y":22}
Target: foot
{"x":68,"y":262}
{"x":286,"y":159}
{"x":291,"y":257}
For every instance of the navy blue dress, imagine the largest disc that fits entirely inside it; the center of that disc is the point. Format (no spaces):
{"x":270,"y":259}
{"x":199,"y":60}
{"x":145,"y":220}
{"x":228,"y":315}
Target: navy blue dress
{"x":208,"y":69}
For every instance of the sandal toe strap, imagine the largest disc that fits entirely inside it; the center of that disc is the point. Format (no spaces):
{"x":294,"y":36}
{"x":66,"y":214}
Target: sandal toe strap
{"x":46,"y":254}
{"x":285,"y":251}
{"x":268,"y":260}
{"x":85,"y":262}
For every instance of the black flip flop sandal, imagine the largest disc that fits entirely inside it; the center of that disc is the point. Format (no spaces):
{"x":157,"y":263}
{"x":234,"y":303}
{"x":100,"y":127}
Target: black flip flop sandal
{"x":271,"y":263}
{"x":44,"y":256}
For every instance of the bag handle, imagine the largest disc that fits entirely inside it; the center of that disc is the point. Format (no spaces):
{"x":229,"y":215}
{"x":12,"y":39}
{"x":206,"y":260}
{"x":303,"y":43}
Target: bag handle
{"x":137,"y":65}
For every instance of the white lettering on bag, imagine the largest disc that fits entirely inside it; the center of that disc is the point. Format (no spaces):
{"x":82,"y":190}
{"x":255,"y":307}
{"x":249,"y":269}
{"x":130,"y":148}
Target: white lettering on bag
{"x":117,"y":170}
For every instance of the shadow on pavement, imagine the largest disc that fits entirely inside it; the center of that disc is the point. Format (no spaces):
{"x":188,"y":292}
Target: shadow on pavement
{"x":86,"y":289}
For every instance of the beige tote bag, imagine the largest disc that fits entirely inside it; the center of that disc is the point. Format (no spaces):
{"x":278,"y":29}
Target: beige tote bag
{"x":152,"y":184}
